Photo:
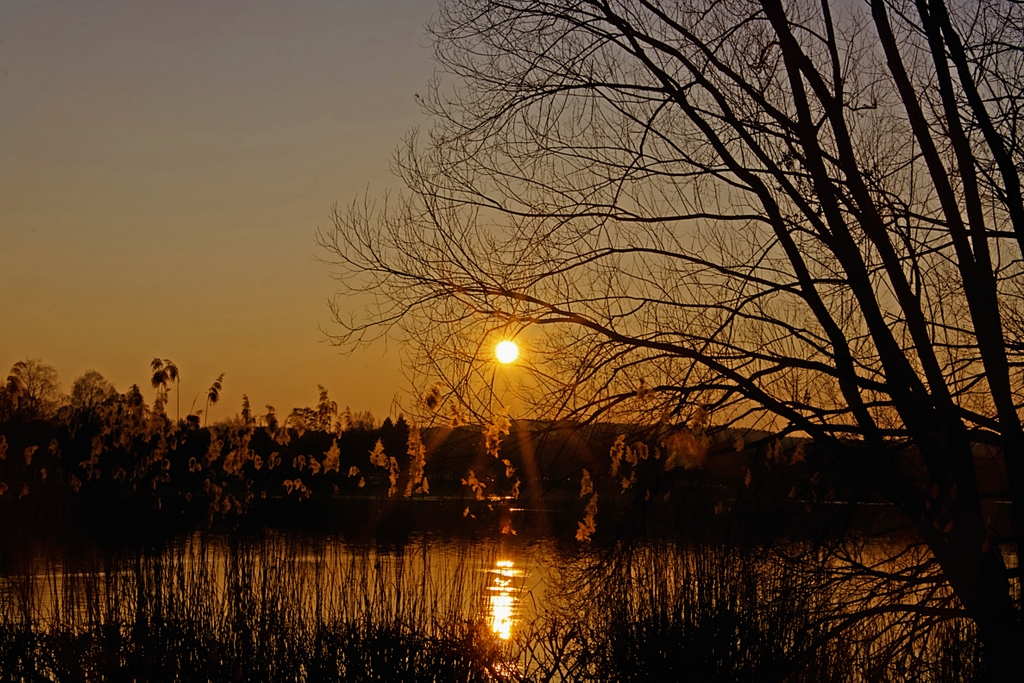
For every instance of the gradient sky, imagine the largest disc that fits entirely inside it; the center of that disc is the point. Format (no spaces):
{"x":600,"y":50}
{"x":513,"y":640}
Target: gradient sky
{"x":164,"y":167}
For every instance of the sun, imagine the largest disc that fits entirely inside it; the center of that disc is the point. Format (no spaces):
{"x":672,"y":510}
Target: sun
{"x":507,"y":352}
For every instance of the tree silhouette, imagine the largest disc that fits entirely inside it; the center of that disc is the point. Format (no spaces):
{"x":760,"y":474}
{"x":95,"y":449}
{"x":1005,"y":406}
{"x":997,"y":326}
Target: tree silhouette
{"x":90,"y":391}
{"x":13,"y":390}
{"x":32,"y":391}
{"x":800,"y":216}
{"x":326,"y":411}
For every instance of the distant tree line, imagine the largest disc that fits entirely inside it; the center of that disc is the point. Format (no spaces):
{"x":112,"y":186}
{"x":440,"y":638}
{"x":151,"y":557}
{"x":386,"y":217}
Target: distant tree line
{"x":99,"y":441}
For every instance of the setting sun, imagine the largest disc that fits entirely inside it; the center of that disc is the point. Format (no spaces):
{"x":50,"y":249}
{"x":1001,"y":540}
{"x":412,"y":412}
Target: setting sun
{"x":507,"y":352}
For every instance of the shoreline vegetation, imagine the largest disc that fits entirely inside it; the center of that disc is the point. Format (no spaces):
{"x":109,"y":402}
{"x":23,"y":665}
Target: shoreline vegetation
{"x":111,"y":445}
{"x":281,"y":608}
{"x":679,"y":551}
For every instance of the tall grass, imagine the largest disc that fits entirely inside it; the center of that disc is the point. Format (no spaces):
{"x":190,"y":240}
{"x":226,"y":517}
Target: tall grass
{"x":281,"y":607}
{"x":708,"y":612}
{"x":274,"y":608}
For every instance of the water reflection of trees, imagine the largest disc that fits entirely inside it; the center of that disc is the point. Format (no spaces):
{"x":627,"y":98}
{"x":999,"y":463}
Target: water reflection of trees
{"x":710,"y":611}
{"x":278,"y":606}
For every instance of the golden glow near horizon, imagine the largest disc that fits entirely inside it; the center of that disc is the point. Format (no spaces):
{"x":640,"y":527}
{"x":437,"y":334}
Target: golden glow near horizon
{"x":502,"y":598}
{"x":506,"y":351}
{"x":185,"y":99}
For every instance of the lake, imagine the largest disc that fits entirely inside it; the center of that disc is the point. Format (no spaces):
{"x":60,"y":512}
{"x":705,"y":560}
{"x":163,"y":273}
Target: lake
{"x":428,"y":591}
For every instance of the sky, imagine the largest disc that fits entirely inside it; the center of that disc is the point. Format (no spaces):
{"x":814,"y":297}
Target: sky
{"x":164,"y":168}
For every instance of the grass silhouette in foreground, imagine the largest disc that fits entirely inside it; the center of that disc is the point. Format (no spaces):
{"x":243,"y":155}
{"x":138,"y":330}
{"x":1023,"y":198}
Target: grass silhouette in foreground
{"x":285,"y":608}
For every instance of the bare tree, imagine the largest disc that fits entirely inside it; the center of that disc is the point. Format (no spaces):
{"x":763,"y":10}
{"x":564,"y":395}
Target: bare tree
{"x":90,"y":391}
{"x":33,"y":390}
{"x":803,"y":215}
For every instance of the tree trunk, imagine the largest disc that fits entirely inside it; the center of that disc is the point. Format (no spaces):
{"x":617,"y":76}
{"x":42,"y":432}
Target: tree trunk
{"x":999,"y":627}
{"x":1003,"y":652}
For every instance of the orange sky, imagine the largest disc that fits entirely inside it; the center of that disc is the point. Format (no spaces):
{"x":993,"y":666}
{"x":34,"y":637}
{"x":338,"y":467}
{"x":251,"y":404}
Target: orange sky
{"x":164,"y":166}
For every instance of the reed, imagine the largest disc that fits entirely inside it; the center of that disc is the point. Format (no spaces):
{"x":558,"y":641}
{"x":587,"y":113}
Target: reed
{"x":273,"y":608}
{"x":706,"y":611}
{"x":285,"y":607}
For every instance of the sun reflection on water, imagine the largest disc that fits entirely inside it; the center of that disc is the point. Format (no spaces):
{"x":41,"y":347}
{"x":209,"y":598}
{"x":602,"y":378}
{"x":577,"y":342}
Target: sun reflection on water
{"x":502,"y":596}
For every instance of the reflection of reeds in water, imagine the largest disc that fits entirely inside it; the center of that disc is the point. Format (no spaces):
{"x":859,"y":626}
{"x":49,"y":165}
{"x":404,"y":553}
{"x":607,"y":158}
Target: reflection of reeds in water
{"x":276,"y":609}
{"x":284,"y":608}
{"x":709,"y":612}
